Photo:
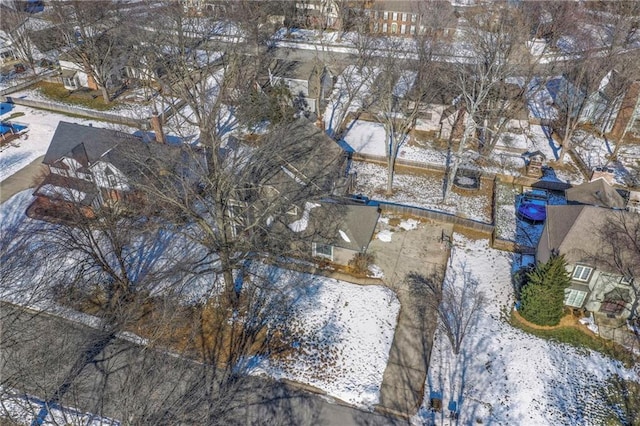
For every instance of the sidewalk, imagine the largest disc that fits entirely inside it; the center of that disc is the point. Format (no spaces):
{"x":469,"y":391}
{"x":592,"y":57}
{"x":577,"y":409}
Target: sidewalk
{"x":421,"y":251}
{"x":21,"y":180}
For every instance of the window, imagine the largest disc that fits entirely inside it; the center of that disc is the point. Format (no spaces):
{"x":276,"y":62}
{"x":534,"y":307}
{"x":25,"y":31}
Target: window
{"x":403,"y":29}
{"x":405,"y":17}
{"x":70,"y":82}
{"x":581,"y":273}
{"x":111,"y":177}
{"x":385,"y":15}
{"x":626,"y":280}
{"x":394,"y":17}
{"x":412,"y":30}
{"x":323,"y":250}
{"x":394,"y":28}
{"x":574,"y":298}
{"x":384,"y":28}
{"x":413,"y":17}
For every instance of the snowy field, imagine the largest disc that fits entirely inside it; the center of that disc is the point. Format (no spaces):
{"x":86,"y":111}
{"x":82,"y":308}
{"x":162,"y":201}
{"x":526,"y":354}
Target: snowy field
{"x":597,"y":152}
{"x":42,"y":126}
{"x":504,"y":376}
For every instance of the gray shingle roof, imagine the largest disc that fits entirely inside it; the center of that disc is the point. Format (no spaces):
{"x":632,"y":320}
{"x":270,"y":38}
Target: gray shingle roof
{"x":574,"y":231}
{"x":354,"y":225}
{"x":596,"y":193}
{"x":96,"y":141}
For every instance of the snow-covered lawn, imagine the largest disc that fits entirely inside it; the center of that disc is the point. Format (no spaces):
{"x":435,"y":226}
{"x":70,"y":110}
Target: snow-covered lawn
{"x":596,"y":151}
{"x":420,"y":191}
{"x":42,"y":125}
{"x":130,"y":105}
{"x":504,"y":376}
{"x":348,"y":331}
{"x":368,"y":137}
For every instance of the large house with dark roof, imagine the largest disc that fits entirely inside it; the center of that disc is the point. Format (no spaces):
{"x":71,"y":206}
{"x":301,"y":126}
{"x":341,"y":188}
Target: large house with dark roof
{"x":599,"y":284}
{"x":90,"y":167}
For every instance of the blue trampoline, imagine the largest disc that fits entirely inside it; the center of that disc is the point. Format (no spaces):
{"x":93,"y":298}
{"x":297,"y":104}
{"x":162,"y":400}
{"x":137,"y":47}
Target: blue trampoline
{"x":533,"y":212}
{"x":533,"y":206}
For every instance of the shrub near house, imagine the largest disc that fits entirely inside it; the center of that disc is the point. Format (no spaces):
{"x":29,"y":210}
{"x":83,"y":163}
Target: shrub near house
{"x":543,"y":294}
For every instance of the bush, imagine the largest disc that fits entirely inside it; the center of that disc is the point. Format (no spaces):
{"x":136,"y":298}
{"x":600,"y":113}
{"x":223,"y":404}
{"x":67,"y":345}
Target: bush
{"x":542,"y":296}
{"x":360,"y":263}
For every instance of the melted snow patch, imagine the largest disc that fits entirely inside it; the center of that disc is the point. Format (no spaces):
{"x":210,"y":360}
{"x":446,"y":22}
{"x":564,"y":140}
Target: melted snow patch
{"x":409,"y":224}
{"x":375,"y":271}
{"x":385,"y":236}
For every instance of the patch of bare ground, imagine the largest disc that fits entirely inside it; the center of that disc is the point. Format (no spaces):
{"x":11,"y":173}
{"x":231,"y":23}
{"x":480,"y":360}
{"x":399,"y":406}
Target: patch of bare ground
{"x":216,"y":330}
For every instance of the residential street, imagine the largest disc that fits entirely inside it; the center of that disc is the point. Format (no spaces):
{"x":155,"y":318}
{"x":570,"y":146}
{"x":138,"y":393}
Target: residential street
{"x":37,"y":348}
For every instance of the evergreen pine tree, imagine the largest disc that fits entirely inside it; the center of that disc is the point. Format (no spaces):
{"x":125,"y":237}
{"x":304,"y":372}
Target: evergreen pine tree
{"x":543,"y":295}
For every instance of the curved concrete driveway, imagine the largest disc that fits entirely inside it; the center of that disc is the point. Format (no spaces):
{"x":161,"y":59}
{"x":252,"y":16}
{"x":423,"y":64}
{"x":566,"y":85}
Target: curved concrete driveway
{"x":23,"y":179}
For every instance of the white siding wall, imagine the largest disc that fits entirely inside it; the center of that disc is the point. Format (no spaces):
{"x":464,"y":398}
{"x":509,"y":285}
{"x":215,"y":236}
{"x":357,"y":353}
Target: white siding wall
{"x":99,"y":170}
{"x":83,"y":80}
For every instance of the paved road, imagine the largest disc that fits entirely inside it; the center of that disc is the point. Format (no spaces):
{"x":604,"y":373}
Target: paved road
{"x":21,"y":180}
{"x":421,"y":251}
{"x":36,"y":351}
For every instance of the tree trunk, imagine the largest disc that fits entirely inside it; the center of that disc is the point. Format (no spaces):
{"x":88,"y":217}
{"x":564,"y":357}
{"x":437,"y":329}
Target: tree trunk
{"x":391,"y":163}
{"x":455,"y":158}
{"x":105,"y":94}
{"x":566,"y":144}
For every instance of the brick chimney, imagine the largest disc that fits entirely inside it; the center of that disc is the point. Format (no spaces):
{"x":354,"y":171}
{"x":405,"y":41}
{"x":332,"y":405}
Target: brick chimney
{"x":156,"y":125}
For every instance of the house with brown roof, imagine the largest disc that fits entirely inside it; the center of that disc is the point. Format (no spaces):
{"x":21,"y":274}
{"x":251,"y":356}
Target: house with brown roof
{"x":602,"y":275}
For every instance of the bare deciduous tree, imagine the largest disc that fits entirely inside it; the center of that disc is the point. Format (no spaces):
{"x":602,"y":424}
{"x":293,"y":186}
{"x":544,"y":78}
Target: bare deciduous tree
{"x":488,"y":58}
{"x":15,"y":23}
{"x":457,"y":302}
{"x":91,"y":31}
{"x":620,"y":251}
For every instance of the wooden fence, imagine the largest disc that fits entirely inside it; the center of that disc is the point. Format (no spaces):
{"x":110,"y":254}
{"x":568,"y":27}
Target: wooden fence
{"x":21,"y":86}
{"x":469,"y":224}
